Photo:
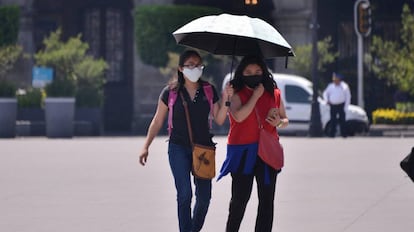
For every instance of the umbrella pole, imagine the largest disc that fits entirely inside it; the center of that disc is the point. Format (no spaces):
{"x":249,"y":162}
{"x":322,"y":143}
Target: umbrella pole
{"x":231,"y":67}
{"x":231,"y":78}
{"x":232,"y":58}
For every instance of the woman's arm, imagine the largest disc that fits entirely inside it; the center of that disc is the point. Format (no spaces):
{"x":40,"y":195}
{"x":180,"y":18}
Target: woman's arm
{"x":284,"y":121}
{"x":241,"y":112}
{"x":221,"y":109}
{"x":155,"y":126}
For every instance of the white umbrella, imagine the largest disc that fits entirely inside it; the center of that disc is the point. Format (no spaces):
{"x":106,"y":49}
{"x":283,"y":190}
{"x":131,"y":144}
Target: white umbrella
{"x":238,"y":35}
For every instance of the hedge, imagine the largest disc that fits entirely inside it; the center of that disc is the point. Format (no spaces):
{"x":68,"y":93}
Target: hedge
{"x":9,"y":24}
{"x":154,"y":25}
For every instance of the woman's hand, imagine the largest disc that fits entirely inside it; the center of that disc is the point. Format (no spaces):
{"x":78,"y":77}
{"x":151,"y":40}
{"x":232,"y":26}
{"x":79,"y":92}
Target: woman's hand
{"x":273,"y":117}
{"x":228,"y":91}
{"x":143,"y":157}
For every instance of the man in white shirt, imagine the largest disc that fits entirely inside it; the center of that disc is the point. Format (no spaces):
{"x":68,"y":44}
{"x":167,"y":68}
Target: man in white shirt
{"x":338,"y":96}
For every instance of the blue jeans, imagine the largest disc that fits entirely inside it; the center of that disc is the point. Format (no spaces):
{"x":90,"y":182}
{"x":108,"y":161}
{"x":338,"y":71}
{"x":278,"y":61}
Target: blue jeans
{"x":180,"y":158}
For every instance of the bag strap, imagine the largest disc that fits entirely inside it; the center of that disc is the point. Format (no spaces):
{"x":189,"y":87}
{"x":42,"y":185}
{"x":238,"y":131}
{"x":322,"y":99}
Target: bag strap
{"x":208,"y":91}
{"x":172,"y":97}
{"x":258,"y":118}
{"x":187,"y":117}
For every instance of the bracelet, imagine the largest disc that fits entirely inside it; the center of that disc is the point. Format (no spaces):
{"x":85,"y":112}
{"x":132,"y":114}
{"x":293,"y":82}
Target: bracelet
{"x":280,"y":124}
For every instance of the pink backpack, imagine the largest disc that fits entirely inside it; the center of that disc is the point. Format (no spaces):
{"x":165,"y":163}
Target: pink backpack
{"x":172,"y":97}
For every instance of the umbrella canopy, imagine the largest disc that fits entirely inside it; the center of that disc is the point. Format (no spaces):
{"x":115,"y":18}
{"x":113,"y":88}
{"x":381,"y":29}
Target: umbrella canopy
{"x":238,"y":35}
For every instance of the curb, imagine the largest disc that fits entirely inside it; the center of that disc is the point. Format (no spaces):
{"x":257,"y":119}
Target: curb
{"x":391,"y":130}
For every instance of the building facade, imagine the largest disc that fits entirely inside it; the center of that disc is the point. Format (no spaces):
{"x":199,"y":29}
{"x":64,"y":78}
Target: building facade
{"x":132,"y":88}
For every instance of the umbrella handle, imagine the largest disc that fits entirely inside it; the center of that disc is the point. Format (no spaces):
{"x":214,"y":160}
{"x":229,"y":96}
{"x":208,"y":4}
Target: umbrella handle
{"x":228,"y":102}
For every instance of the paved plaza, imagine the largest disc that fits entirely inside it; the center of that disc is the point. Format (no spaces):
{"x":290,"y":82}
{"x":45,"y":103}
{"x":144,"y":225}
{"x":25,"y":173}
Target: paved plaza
{"x":96,"y":185}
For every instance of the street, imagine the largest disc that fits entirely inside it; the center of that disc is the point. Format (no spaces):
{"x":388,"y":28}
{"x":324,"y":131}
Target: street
{"x":95,"y":185}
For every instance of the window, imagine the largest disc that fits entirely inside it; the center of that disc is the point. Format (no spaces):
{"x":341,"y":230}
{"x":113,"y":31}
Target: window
{"x":113,"y":39}
{"x":296,"y":94}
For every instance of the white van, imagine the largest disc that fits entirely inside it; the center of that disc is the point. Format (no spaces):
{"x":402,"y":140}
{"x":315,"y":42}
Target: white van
{"x":297,"y":95}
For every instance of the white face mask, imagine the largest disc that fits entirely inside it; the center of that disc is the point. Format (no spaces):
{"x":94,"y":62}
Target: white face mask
{"x":193,"y":74}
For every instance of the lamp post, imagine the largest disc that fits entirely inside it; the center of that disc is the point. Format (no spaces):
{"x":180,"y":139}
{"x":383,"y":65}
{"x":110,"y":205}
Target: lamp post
{"x":315,"y":127}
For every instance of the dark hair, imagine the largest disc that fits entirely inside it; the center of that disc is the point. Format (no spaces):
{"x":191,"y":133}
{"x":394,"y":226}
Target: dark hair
{"x":179,"y":82}
{"x":268,"y":83}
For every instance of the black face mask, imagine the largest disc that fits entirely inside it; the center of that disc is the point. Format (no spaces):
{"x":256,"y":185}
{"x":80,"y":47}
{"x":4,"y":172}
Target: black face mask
{"x":252,"y":81}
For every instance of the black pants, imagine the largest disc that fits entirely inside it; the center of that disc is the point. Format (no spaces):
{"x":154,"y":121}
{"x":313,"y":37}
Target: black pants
{"x":338,"y":110}
{"x":241,"y":190}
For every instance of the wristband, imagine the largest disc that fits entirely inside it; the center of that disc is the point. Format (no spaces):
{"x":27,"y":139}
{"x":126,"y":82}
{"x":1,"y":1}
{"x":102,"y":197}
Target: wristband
{"x":280,"y":123}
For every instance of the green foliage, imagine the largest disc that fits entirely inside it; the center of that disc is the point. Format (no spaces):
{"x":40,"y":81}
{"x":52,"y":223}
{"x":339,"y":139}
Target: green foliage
{"x":90,"y":82}
{"x":302,"y":62}
{"x":7,"y":89}
{"x":404,"y":106}
{"x":9,"y":24}
{"x":154,"y":25}
{"x":88,"y":96}
{"x":392,"y":116}
{"x":8,"y":57}
{"x":73,"y":68}
{"x":62,"y":56}
{"x":394,"y":60}
{"x":32,"y":97}
{"x":9,"y":52}
{"x":61,"y":88}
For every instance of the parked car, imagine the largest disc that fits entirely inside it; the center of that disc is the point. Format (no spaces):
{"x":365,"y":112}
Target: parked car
{"x":297,"y":95}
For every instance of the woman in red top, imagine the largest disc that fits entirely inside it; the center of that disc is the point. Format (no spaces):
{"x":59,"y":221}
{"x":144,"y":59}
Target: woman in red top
{"x":255,"y":91}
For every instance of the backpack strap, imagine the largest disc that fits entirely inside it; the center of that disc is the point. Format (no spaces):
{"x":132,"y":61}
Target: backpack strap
{"x":208,"y":91}
{"x":172,"y":97}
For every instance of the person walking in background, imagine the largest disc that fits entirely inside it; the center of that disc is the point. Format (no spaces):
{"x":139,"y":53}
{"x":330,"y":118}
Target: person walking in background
{"x":188,"y":83}
{"x":338,"y":96}
{"x":255,"y":92}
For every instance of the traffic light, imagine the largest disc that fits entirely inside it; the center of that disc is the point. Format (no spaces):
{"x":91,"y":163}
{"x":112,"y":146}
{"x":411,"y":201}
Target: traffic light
{"x":363,"y":17}
{"x":250,"y":2}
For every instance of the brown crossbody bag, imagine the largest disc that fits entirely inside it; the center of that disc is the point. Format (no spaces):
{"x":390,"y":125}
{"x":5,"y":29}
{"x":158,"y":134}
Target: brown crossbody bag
{"x":204,"y":157}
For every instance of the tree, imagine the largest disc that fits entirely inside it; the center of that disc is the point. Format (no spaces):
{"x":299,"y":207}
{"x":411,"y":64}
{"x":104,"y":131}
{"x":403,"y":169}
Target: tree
{"x":8,"y":57}
{"x":302,"y":63}
{"x":10,"y":52}
{"x":75,"y":72}
{"x":394,"y":60}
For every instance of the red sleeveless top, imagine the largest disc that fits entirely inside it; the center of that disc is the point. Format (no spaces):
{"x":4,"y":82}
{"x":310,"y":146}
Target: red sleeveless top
{"x":247,"y":131}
